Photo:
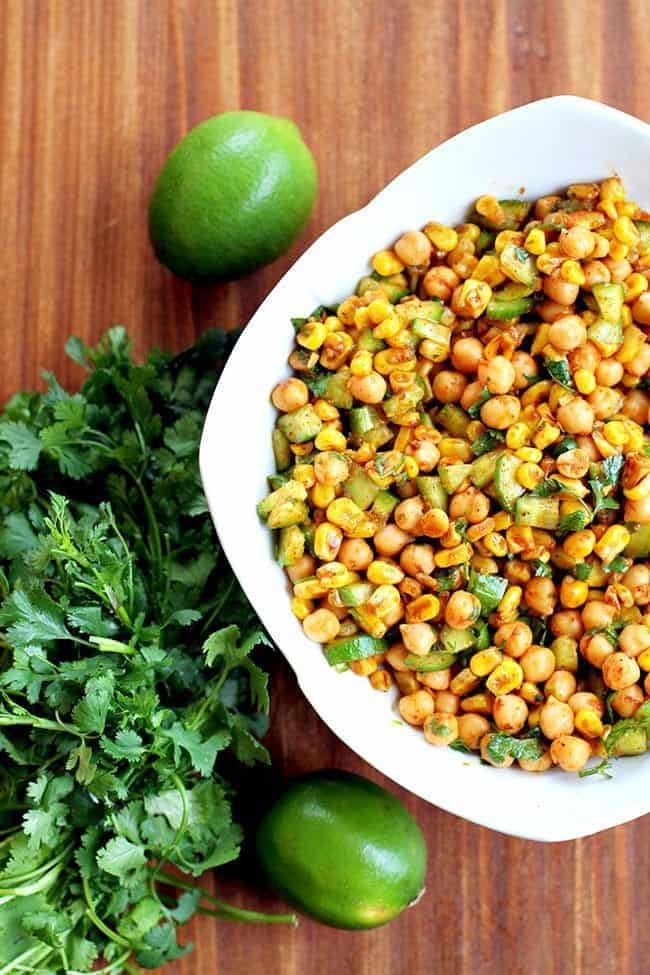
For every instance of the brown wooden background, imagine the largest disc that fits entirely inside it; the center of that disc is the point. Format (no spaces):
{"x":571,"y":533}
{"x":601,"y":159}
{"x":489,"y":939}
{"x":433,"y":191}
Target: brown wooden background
{"x":93,"y":94}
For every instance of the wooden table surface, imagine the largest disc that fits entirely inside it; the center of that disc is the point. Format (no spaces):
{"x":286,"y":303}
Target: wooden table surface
{"x":93,"y":94}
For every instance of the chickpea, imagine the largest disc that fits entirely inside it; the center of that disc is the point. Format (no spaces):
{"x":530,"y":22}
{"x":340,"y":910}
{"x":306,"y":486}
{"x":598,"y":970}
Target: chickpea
{"x":636,"y":405}
{"x":417,"y":559}
{"x":560,"y":291}
{"x":587,"y":444}
{"x":538,"y":663}
{"x":418,"y":638}
{"x":466,"y":355}
{"x":609,"y":372}
{"x":561,"y":685}
{"x":595,"y":272}
{"x":441,"y":728}
{"x":618,"y":270}
{"x":550,"y":311}
{"x":414,"y":248}
{"x":471,"y":728}
{"x":578,"y":242}
{"x":646,"y":684}
{"x":290,"y":395}
{"x":321,"y":625}
{"x":596,"y":614}
{"x":513,"y":638}
{"x":540,"y":595}
{"x":447,"y":702}
{"x":471,"y":504}
{"x":620,"y":671}
{"x":510,"y":713}
{"x":638,"y":511}
{"x":436,"y":680}
{"x":585,"y":699}
{"x":500,"y":412}
{"x":485,"y":755}
{"x":330,"y":468}
{"x":568,"y":333}
{"x":368,"y":389}
{"x":395,"y":657}
{"x":576,"y":416}
{"x":634,"y":639}
{"x":637,"y":580}
{"x":556,"y":719}
{"x":406,"y":682}
{"x":573,"y":463}
{"x":355,"y":554}
{"x":408,"y":515}
{"x":605,"y":402}
{"x":448,"y":386}
{"x":596,"y":649}
{"x":640,"y":365}
{"x":541,"y":764}
{"x":641,"y":309}
{"x":567,"y":623}
{"x":525,"y":368}
{"x":440,"y":282}
{"x":415,"y":708}
{"x":570,"y":753}
{"x":471,"y":394}
{"x":626,"y":702}
{"x":426,"y":454}
{"x":586,"y":357}
{"x":462,"y":610}
{"x":499,"y":375}
{"x":301,"y":569}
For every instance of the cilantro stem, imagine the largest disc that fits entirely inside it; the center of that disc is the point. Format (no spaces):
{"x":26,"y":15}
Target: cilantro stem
{"x":225,"y":910}
{"x":97,"y":921}
{"x":16,"y":964}
{"x":116,"y":965}
{"x":155,"y":543}
{"x":12,"y":720}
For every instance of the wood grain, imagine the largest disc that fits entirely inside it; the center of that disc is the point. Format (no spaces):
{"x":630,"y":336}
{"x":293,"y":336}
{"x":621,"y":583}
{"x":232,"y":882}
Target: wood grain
{"x":93,"y":94}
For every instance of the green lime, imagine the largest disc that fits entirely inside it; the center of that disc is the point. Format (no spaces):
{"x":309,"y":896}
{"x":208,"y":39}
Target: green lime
{"x":233,"y":195}
{"x":343,"y":850}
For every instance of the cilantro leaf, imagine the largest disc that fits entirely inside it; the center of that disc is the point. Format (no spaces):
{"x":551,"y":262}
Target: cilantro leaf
{"x":502,"y":745}
{"x":121,"y":858}
{"x":24,"y":445}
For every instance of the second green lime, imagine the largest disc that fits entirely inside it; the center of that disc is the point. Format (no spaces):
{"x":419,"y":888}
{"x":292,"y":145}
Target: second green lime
{"x":232,"y":196}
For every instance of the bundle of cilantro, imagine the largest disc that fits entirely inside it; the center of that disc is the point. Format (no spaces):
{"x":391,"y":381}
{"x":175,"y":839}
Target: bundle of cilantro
{"x":117,"y":693}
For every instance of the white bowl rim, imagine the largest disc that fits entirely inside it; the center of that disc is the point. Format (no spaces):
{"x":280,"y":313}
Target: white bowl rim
{"x":543,"y":828}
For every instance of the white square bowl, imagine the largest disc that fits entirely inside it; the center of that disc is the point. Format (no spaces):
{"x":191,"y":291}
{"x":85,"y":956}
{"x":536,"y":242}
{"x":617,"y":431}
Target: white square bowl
{"x":542,"y":147}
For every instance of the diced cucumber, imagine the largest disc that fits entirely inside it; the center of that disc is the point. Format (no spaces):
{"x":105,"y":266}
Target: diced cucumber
{"x":638,"y":546}
{"x":356,"y":594}
{"x":360,"y":488}
{"x":291,"y":545}
{"x":281,"y":451}
{"x":425,"y":386}
{"x":565,"y":651}
{"x":354,"y":648}
{"x":291,"y":491}
{"x":507,"y":486}
{"x":409,"y":311}
{"x":537,"y":512}
{"x":515,"y":213}
{"x":485,"y":242}
{"x":368,"y":343}
{"x":363,"y":418}
{"x":488,"y":589}
{"x":431,"y":313}
{"x":453,"y":475}
{"x":337,"y":389}
{"x":501,"y":310}
{"x":482,"y":635}
{"x":403,"y":402}
{"x":432,"y":491}
{"x":518,"y":264}
{"x":605,"y":335}
{"x":484,"y":468}
{"x":383,"y":506}
{"x":643,"y":226}
{"x":378,"y":436}
{"x":301,"y":425}
{"x":454,"y":420}
{"x":430,"y":662}
{"x":287,"y":513}
{"x":456,"y":641}
{"x":631,"y":741}
{"x":277,"y":480}
{"x":393,"y":292}
{"x":610,"y":298}
{"x":566,"y":443}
